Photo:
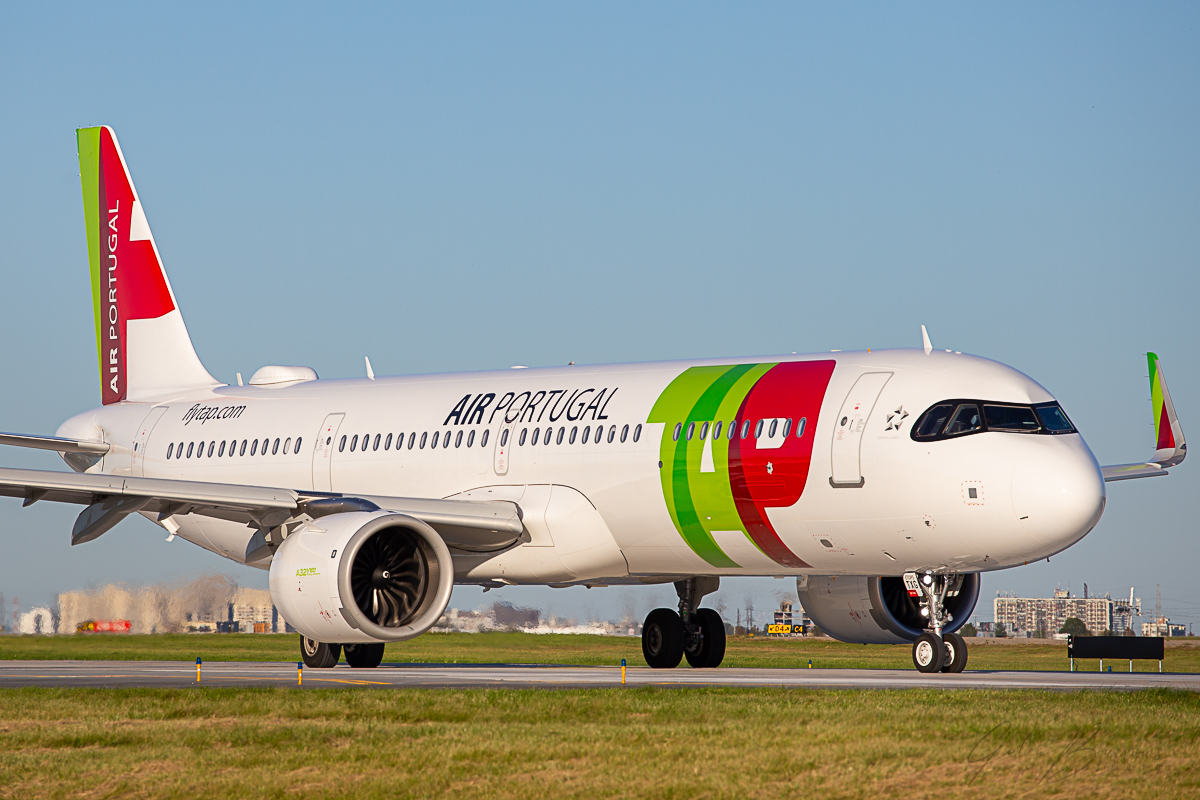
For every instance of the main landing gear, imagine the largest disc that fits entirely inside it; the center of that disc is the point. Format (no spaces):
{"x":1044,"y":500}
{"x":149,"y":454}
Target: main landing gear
{"x":323,"y":655}
{"x":695,"y":633}
{"x":935,"y":650}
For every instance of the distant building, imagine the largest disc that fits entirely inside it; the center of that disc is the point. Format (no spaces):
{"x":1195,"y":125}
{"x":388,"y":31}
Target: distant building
{"x":1025,"y":616}
{"x":207,"y":604}
{"x":1161,"y":626}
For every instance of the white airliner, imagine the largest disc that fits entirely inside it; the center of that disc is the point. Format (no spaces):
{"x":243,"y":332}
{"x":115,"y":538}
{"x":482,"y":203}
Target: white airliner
{"x":885,"y":481}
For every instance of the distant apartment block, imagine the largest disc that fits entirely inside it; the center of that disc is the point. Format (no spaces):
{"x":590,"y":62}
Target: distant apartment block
{"x":1028,"y":615}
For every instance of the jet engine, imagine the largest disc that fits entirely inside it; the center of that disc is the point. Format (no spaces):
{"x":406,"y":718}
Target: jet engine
{"x":877,"y":610}
{"x":361,"y":577}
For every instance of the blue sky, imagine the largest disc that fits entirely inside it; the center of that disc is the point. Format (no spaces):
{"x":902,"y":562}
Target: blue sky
{"x":474,"y":186}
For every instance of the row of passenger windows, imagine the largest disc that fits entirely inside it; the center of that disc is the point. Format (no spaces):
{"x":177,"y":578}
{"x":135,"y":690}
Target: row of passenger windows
{"x":559,"y":435}
{"x":770,"y":426}
{"x":439,"y":437}
{"x":233,"y":447}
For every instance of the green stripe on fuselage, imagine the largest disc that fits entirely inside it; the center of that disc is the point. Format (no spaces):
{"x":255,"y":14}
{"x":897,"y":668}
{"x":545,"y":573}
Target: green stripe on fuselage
{"x":702,"y":502}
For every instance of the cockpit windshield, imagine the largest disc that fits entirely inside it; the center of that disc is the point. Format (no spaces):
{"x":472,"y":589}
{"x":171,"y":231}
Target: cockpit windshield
{"x":953,"y":418}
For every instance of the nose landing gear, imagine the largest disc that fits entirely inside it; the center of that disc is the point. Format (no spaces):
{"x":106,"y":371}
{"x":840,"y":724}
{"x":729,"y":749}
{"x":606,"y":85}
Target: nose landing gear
{"x":935,"y":651}
{"x":697,"y":633}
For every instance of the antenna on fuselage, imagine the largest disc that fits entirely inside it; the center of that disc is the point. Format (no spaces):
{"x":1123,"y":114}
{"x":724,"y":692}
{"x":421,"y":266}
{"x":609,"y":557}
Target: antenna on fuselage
{"x":925,"y":341}
{"x":370,"y":372}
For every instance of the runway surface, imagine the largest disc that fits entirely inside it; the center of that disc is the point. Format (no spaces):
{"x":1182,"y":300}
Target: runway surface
{"x":176,"y":674}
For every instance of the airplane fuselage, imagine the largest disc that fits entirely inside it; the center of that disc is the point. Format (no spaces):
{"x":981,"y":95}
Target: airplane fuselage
{"x":623,"y":476}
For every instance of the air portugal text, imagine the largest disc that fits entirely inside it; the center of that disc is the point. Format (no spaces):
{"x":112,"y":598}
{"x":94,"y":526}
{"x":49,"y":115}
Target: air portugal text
{"x":531,"y":406}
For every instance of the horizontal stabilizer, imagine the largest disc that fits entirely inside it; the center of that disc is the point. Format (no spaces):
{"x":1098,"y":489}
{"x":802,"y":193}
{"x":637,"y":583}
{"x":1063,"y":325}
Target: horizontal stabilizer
{"x":55,"y":443}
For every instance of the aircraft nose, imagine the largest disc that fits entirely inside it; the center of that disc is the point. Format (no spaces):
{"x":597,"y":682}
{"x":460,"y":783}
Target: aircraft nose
{"x":1058,"y":492}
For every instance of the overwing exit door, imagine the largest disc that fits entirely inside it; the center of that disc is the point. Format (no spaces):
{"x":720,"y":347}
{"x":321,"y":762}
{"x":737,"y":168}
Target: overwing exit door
{"x":848,"y":428}
{"x":323,"y":453}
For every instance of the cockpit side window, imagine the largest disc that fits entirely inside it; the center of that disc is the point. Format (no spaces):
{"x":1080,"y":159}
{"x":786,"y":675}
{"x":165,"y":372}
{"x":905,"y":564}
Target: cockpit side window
{"x":1054,"y":418}
{"x":966,"y":419}
{"x":954,"y":418}
{"x":1010,"y":418}
{"x":932,"y":421}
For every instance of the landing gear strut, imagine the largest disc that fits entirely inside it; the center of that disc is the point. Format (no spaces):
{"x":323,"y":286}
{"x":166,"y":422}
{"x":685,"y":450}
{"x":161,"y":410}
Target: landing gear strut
{"x":935,"y":651}
{"x":697,"y":633}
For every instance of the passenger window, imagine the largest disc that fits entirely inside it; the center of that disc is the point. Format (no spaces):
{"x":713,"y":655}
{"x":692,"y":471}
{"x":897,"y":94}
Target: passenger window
{"x":674,"y":437}
{"x":547,"y":439}
{"x":446,"y":440}
{"x":458,"y":440}
{"x":170,"y":449}
{"x":758,"y":429}
{"x":612,"y":434}
{"x":965,"y":420}
{"x":561,"y":432}
{"x":800,"y":426}
{"x":716,"y":431}
{"x":424,"y":438}
{"x":211,"y":447}
{"x":287,"y":446}
{"x":523,"y":432}
{"x":1054,"y":418}
{"x":574,"y":433}
{"x":254,"y":445}
{"x":731,"y":431}
{"x":242,"y":449}
{"x":483,"y":441}
{"x":932,"y":422}
{"x":412,"y":439}
{"x":298,"y":441}
{"x":179,"y":451}
{"x":503,"y":437}
{"x":691,"y":430}
{"x":221,"y":451}
{"x":387,"y":443}
{"x":703,"y":431}
{"x":787,"y":427}
{"x":599,"y":433}
{"x":436,"y":434}
{"x":537,"y":435}
{"x":625,"y":433}
{"x":190,"y":446}
{"x":587,"y":434}
{"x":774,"y":427}
{"x":637,"y":433}
{"x":374,"y":446}
{"x":470,"y":438}
{"x":354,"y":443}
{"x":274,"y":449}
{"x":745,"y":429}
{"x":1010,"y":418}
{"x":200,"y":450}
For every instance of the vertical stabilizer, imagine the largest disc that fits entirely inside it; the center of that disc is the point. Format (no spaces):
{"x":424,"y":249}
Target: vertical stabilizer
{"x":142,"y":344}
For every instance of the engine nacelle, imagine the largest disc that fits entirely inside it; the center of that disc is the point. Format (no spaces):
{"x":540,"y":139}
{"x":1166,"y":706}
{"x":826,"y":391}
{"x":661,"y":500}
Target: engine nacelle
{"x":877,"y":610}
{"x":362,"y":577}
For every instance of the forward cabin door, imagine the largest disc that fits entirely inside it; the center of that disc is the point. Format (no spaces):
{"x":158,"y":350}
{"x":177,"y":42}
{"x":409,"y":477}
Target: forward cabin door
{"x":848,"y":429}
{"x":323,"y":453}
{"x":143,"y":438}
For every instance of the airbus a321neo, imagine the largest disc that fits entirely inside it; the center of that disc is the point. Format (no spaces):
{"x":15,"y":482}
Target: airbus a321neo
{"x":885,"y":482}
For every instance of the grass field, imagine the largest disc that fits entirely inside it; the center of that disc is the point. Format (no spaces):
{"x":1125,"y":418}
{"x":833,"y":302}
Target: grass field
{"x":704,"y":743}
{"x":509,"y":648}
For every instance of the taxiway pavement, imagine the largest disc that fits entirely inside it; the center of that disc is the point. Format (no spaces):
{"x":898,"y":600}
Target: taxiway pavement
{"x":174,"y":674}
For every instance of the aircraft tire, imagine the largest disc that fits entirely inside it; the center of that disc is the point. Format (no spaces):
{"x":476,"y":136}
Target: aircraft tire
{"x":662,"y":639}
{"x":928,"y":653}
{"x":712,"y":643}
{"x":956,"y":653}
{"x":319,"y":655}
{"x":363,"y":656}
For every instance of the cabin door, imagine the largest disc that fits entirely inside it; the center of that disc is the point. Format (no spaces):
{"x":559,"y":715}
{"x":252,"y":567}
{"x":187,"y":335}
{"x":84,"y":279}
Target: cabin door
{"x":848,"y":429}
{"x":323,"y":453}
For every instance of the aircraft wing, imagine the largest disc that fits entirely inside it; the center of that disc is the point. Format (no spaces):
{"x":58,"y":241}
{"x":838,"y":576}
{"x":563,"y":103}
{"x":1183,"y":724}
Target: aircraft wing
{"x":463,"y":524}
{"x":1170,"y":448}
